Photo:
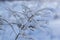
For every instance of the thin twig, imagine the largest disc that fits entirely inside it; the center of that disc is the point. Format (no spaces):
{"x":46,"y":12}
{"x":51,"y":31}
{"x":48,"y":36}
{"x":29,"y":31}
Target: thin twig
{"x":17,"y":36}
{"x":10,"y":25}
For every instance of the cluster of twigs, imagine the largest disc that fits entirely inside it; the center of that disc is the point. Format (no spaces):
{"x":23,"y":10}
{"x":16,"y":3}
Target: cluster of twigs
{"x":29,"y":19}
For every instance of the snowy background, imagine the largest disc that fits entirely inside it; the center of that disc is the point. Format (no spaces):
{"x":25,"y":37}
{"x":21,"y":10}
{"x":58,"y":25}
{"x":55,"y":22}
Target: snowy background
{"x":30,"y":20}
